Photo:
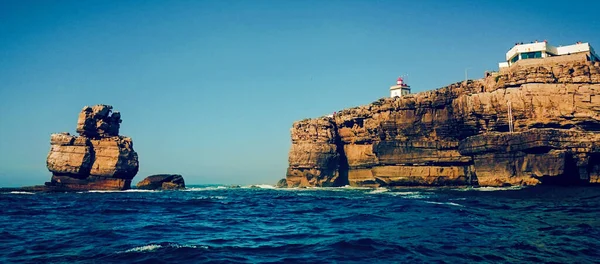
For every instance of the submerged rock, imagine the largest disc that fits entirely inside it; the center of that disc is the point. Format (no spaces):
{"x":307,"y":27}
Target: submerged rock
{"x":162,"y":182}
{"x":461,"y":134}
{"x":97,"y":159}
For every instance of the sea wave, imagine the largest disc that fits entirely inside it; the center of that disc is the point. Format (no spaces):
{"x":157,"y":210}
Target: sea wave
{"x":354,"y":187}
{"x":411,"y":194}
{"x":493,"y":189}
{"x":119,"y":191}
{"x":145,"y":248}
{"x":216,"y":197}
{"x":20,"y":192}
{"x":379,"y":190}
{"x":140,"y":190}
{"x":447,"y":203}
{"x":154,"y":247}
{"x":208,"y":188}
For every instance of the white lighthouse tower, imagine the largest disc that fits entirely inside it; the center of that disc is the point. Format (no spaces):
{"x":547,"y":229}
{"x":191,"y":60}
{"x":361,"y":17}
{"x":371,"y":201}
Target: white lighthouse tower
{"x":400,"y":89}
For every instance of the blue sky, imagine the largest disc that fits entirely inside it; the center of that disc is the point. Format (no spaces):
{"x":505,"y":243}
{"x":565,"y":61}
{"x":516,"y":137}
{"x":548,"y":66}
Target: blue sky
{"x":210,"y":89}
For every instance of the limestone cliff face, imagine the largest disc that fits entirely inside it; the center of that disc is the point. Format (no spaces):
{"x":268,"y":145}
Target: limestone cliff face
{"x":315,"y":155}
{"x":98,"y":159}
{"x":459,"y":134}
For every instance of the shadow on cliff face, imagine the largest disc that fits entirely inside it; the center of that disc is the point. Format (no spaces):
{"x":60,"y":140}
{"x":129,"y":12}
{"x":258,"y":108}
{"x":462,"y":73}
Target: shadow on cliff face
{"x":574,"y":175}
{"x":589,"y":125}
{"x":343,"y":165}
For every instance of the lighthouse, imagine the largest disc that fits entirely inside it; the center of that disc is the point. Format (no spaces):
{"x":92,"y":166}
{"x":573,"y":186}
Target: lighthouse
{"x":400,"y":89}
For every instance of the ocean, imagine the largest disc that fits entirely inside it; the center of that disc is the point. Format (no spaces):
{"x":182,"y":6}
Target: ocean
{"x":219,"y":224}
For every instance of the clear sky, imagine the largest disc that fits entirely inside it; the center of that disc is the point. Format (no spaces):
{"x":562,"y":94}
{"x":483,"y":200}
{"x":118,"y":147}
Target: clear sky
{"x":210,"y":89}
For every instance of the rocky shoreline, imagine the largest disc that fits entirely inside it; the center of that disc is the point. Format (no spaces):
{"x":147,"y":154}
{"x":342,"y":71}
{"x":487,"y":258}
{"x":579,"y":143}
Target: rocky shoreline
{"x":460,"y":135}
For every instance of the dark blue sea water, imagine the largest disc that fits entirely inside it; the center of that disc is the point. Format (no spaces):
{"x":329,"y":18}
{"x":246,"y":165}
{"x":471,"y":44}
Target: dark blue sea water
{"x":339,"y":225}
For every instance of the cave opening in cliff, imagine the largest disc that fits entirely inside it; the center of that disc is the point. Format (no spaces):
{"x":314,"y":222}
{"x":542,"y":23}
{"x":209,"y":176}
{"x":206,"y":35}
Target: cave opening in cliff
{"x":571,"y":175}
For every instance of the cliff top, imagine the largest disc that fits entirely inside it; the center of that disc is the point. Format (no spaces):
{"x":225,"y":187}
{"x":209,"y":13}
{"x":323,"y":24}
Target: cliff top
{"x":551,"y":71}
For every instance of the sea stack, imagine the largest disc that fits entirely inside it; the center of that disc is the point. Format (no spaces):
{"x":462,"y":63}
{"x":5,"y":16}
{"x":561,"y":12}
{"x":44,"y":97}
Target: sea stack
{"x":535,"y":121}
{"x":98,"y":159}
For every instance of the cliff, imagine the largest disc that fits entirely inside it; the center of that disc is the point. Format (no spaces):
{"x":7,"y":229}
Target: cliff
{"x":97,"y":159}
{"x":459,"y":134}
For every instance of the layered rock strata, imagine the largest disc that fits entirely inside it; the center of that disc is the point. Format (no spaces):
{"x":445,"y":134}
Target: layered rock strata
{"x":461,"y":135}
{"x":162,"y":182}
{"x":97,"y":159}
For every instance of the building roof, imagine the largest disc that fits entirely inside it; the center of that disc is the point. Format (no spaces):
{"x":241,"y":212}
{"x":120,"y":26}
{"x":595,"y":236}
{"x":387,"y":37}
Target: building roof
{"x":543,"y":46}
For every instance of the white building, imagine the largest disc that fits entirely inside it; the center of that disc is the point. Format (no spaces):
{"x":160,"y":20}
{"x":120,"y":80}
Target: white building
{"x":544,"y":50}
{"x":400,"y":89}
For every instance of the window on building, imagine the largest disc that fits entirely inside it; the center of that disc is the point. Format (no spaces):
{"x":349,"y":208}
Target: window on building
{"x":531,"y":55}
{"x":514,"y":59}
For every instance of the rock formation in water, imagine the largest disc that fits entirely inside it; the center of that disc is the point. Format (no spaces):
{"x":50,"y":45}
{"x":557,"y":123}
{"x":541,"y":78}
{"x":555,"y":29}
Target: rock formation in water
{"x":281,"y":183}
{"x":97,"y":159}
{"x":459,"y":135}
{"x":162,"y":182}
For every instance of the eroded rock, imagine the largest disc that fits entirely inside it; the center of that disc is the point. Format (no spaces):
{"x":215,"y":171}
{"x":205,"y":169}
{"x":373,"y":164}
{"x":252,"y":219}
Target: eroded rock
{"x":281,"y":183}
{"x":162,"y":182}
{"x":459,"y":134}
{"x":97,"y":159}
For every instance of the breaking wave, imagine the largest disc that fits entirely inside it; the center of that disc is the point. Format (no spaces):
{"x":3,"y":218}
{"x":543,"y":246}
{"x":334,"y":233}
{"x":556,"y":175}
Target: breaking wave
{"x":154,"y":247}
{"x":446,"y":203}
{"x":20,"y":192}
{"x":120,"y":191}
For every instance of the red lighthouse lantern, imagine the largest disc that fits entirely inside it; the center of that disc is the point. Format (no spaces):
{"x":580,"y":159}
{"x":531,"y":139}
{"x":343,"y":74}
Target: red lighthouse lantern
{"x":400,"y":81}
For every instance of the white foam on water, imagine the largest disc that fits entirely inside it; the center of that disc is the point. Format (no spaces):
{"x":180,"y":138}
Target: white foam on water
{"x":211,"y":197}
{"x":409,"y":195}
{"x":145,"y":248}
{"x":119,"y":191}
{"x":354,"y":187}
{"x":447,"y":203}
{"x":406,"y":193}
{"x":20,"y":192}
{"x":153,"y":247}
{"x":379,"y":190}
{"x":102,"y":191}
{"x":187,"y":246}
{"x":493,"y":189}
{"x":140,"y":190}
{"x":200,"y":189}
